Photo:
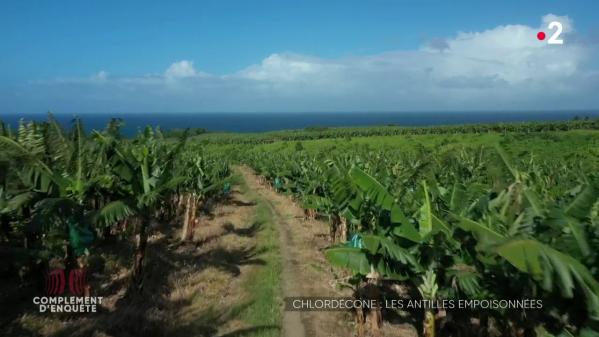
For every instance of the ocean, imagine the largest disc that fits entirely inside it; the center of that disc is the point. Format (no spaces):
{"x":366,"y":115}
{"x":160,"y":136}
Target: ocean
{"x":260,"y":122}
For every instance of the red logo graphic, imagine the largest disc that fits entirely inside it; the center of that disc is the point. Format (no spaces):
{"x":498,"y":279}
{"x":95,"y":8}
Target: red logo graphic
{"x":77,"y":281}
{"x":541,"y":36}
{"x":55,"y":282}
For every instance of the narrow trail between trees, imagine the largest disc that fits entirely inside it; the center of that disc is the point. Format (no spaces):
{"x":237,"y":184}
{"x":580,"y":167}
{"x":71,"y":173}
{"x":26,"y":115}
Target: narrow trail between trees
{"x":305,"y":272}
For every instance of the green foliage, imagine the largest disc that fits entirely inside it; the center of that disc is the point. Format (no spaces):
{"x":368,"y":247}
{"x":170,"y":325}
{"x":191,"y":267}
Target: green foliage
{"x":482,"y":217}
{"x":62,"y":189}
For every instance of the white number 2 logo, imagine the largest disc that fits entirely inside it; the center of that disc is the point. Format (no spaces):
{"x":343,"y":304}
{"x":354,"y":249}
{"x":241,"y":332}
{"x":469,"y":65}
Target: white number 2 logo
{"x":554,"y":39}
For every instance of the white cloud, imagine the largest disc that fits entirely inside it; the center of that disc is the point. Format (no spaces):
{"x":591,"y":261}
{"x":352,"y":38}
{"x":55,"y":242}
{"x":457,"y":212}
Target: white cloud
{"x":287,"y":68}
{"x":100,"y":76}
{"x":505,"y":67}
{"x":567,"y":24}
{"x":181,"y":69}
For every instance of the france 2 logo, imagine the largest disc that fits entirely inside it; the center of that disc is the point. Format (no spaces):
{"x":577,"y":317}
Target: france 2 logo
{"x":55,"y":282}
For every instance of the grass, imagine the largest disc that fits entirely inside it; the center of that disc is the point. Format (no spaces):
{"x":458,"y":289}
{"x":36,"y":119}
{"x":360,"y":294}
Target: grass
{"x":263,"y":285}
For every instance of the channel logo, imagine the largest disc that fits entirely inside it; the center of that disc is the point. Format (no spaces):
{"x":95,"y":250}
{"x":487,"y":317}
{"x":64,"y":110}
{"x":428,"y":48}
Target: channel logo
{"x":80,"y":300}
{"x":55,"y":282}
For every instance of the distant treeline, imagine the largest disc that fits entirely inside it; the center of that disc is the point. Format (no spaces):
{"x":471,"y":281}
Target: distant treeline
{"x":315,"y":132}
{"x":112,"y":123}
{"x":178,"y":133}
{"x":322,"y":132}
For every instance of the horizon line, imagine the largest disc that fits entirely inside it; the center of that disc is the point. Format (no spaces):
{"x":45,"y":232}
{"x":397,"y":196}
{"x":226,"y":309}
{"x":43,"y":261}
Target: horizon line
{"x":588,"y":110}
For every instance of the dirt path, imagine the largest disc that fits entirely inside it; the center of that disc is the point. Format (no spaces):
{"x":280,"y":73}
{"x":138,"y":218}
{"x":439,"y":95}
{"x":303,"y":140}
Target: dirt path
{"x":305,"y":271}
{"x":292,"y":325}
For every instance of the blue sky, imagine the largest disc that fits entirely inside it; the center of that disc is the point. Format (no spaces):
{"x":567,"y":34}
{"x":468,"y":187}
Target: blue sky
{"x":137,"y":56}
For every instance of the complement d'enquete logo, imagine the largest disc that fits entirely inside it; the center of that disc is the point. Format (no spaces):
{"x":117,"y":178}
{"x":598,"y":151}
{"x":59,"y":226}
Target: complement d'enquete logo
{"x":78,"y":302}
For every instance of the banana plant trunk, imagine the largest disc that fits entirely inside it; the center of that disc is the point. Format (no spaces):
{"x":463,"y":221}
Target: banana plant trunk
{"x":179,"y":202}
{"x":360,"y":322}
{"x":374,"y":316}
{"x":141,"y":241}
{"x":338,"y":228}
{"x":186,"y":216}
{"x":372,"y":322}
{"x":334,"y":223}
{"x":343,"y":230}
{"x":192,"y":216}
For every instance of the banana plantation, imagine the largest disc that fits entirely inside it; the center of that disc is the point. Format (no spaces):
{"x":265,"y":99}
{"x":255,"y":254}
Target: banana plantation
{"x":460,"y":222}
{"x":61,"y":192}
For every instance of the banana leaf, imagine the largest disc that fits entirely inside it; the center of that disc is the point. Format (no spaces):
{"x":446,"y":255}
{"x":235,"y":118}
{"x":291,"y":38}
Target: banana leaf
{"x":351,"y":258}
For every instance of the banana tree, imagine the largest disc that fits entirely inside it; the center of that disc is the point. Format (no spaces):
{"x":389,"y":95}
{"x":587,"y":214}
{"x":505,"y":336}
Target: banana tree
{"x":204,"y":177}
{"x":54,"y":192}
{"x":52,"y":176}
{"x":530,"y":233}
{"x":146,"y":167}
{"x":378,"y":254}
